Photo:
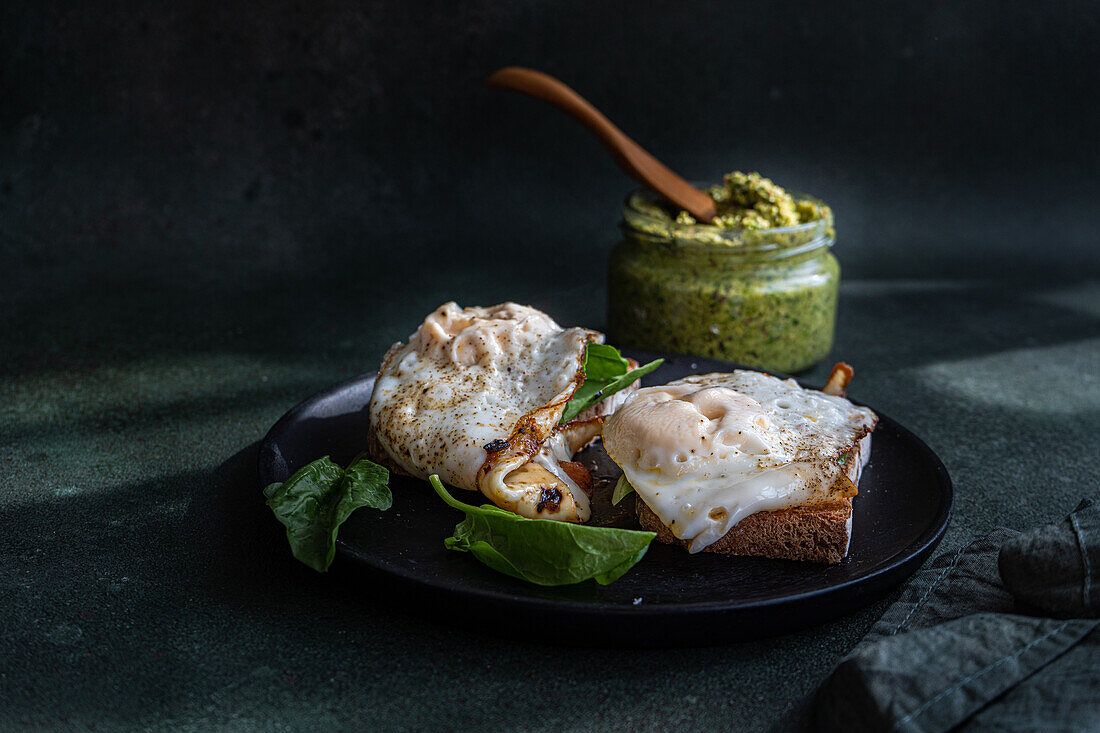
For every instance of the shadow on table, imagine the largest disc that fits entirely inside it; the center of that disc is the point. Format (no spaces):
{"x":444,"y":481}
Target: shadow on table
{"x":253,"y":558}
{"x":182,"y":589}
{"x":253,"y":563}
{"x":939,"y":319}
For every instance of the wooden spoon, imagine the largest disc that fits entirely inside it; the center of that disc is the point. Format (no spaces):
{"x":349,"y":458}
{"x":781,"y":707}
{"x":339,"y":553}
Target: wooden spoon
{"x":630,"y":156}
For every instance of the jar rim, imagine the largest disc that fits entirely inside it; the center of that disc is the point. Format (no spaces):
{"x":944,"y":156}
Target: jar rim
{"x":815,"y":233}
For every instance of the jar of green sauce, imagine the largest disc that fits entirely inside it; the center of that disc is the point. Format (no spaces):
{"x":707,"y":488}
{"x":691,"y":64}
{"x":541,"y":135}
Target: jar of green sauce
{"x":764,"y":296}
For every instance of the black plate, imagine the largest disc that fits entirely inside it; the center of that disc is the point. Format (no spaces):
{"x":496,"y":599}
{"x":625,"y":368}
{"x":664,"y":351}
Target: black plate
{"x":670,"y":597}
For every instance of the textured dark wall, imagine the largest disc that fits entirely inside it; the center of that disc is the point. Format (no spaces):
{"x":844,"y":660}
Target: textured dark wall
{"x":228,"y":145}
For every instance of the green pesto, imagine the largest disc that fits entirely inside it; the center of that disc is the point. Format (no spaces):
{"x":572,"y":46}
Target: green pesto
{"x":764,"y":297}
{"x":748,"y":201}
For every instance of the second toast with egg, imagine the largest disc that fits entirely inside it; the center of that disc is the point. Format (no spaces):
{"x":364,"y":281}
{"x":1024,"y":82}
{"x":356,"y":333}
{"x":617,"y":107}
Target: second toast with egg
{"x":745,"y":463}
{"x":815,"y":533}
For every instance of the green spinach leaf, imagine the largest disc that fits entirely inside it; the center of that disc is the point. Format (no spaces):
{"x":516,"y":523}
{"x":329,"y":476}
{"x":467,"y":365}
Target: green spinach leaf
{"x":623,"y":488}
{"x":543,"y":551}
{"x":605,"y":373}
{"x":316,"y":500}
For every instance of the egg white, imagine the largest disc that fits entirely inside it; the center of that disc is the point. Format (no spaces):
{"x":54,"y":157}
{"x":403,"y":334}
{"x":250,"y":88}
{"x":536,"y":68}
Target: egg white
{"x":707,"y":451}
{"x":469,"y":377}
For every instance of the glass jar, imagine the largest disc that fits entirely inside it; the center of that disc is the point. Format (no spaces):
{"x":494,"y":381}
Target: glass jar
{"x":765,"y":298}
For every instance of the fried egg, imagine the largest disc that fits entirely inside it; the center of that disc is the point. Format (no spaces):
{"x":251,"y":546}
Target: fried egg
{"x":707,"y":451}
{"x":476,"y":396}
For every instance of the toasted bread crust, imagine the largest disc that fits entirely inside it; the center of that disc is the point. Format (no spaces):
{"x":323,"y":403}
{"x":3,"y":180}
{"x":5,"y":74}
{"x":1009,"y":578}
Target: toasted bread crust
{"x":813,"y":533}
{"x":817,"y":533}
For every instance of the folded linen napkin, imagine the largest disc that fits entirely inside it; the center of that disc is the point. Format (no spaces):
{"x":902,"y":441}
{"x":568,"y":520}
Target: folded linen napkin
{"x":1001,"y":635}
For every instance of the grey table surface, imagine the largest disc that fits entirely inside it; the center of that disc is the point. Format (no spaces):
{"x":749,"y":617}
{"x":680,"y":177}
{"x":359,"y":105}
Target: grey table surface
{"x":144,"y":584}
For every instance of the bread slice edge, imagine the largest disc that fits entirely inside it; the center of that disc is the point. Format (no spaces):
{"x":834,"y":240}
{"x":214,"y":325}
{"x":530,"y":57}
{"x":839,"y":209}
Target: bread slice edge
{"x":819,"y":532}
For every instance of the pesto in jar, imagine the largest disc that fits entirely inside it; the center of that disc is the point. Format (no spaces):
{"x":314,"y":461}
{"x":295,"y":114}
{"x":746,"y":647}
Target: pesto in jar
{"x":758,"y":286}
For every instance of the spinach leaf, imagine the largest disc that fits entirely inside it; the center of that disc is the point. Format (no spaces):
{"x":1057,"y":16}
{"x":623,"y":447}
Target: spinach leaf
{"x":316,"y":500}
{"x":543,"y":551}
{"x":605,"y":373}
{"x":623,"y":488}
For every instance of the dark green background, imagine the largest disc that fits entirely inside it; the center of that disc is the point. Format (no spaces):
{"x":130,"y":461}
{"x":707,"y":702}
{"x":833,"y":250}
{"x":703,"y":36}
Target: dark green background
{"x":209,"y":210}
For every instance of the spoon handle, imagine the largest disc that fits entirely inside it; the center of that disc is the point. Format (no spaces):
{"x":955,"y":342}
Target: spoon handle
{"x":631,"y":157}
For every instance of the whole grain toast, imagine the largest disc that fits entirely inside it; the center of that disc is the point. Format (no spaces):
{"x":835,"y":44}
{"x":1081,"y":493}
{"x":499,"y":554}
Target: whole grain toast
{"x":818,"y":533}
{"x":814,"y":533}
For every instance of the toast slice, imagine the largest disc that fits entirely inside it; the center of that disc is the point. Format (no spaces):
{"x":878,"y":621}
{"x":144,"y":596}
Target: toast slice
{"x":814,"y":533}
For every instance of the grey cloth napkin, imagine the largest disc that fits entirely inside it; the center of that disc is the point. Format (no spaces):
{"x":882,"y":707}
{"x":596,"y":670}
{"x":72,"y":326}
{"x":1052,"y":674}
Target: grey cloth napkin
{"x":1001,"y":635}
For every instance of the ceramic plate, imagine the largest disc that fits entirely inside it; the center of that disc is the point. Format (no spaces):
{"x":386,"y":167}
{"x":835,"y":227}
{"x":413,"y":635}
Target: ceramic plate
{"x":670,"y":597}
